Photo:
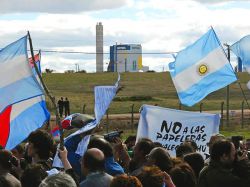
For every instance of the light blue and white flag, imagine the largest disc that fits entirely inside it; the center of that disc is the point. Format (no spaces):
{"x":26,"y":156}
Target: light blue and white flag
{"x":103,"y":97}
{"x":200,"y":69}
{"x":17,"y":82}
{"x":172,"y":127}
{"x":242,"y":50}
{"x":17,"y":121}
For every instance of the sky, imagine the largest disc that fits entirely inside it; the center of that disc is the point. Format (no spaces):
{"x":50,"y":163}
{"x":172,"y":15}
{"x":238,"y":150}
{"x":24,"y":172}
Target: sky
{"x":160,"y":26}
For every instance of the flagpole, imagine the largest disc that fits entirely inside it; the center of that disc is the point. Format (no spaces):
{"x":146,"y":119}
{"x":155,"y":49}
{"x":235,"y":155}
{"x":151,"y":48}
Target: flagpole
{"x":242,"y":91}
{"x":228,"y":88}
{"x":228,"y":91}
{"x":40,"y":59}
{"x":52,"y":98}
{"x":228,"y":56}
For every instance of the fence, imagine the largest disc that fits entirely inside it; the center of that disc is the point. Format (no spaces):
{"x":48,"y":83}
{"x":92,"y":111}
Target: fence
{"x":129,"y":121}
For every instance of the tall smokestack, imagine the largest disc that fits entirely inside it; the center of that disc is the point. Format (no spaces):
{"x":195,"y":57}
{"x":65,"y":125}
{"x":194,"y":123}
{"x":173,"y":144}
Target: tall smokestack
{"x":99,"y":47}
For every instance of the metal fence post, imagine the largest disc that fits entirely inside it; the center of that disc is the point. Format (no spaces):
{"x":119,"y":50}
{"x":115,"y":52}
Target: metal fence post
{"x":132,"y":118}
{"x":201,"y":105}
{"x":180,"y":106}
{"x":107,"y":121}
{"x":222,"y":115}
{"x":242,"y":114}
{"x":84,"y":108}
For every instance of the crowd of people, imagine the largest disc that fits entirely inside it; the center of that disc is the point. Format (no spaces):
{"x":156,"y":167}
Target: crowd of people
{"x":124,"y":164}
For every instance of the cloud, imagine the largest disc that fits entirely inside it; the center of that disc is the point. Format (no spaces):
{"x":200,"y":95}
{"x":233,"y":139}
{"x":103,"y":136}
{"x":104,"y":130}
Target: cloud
{"x":159,"y":25}
{"x":218,"y":1}
{"x":58,"y":6}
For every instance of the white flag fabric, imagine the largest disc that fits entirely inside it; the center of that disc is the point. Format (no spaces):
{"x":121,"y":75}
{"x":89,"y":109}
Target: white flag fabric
{"x":18,"y":120}
{"x":172,"y":127}
{"x":201,"y":69}
{"x":103,"y":97}
{"x":17,"y":82}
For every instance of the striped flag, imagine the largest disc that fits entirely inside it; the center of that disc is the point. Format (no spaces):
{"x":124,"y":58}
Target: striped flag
{"x":17,"y":121}
{"x":17,"y":82}
{"x":103,"y":97}
{"x":241,"y":49}
{"x":200,"y":69}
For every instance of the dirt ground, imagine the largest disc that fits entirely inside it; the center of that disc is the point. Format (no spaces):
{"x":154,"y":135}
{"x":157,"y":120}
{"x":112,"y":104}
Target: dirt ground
{"x":125,"y":121}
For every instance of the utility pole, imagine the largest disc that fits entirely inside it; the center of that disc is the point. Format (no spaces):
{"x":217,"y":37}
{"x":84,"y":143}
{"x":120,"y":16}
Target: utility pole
{"x":116,"y":57}
{"x":76,"y":67}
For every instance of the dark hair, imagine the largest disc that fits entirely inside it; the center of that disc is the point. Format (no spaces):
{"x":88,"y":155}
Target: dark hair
{"x":102,"y":144}
{"x":220,"y":148}
{"x":183,"y":176}
{"x":125,"y":181}
{"x":130,"y":139}
{"x":161,"y":158}
{"x":92,"y":162}
{"x":192,"y":143}
{"x":151,"y":177}
{"x":236,"y":141}
{"x":20,"y":149}
{"x":43,"y":143}
{"x":183,"y":149}
{"x":157,"y":144}
{"x":33,"y":175}
{"x":5,"y":159}
{"x":196,"y":161}
{"x":145,"y":145}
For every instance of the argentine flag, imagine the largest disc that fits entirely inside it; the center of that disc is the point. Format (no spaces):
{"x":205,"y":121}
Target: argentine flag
{"x":17,"y":121}
{"x":17,"y":82}
{"x":242,"y":50}
{"x":200,"y":69}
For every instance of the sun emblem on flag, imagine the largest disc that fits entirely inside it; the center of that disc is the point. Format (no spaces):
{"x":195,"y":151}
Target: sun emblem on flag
{"x":203,"y":69}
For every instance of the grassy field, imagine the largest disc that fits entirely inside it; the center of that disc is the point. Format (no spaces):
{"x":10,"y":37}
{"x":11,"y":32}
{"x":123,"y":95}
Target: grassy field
{"x":139,"y":88}
{"x":143,"y":88}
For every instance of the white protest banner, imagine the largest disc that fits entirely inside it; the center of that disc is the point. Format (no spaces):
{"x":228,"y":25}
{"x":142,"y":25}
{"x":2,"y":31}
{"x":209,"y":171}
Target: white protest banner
{"x":172,"y":127}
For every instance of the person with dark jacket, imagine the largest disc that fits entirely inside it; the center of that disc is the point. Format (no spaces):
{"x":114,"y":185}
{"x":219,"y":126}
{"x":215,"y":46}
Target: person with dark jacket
{"x":66,"y":107}
{"x":60,"y":105}
{"x":40,"y":145}
{"x":219,"y":171}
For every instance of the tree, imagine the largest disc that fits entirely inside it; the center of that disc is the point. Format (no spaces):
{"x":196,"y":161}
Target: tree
{"x":49,"y":70}
{"x":69,"y":71}
{"x":82,"y":71}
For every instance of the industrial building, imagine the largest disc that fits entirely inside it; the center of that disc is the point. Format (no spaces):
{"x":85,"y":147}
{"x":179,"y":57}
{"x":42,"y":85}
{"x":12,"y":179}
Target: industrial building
{"x":99,"y":47}
{"x":126,"y":58}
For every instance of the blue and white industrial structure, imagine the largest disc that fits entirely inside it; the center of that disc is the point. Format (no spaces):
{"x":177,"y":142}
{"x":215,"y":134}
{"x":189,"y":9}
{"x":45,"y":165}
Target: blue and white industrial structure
{"x":126,"y":58}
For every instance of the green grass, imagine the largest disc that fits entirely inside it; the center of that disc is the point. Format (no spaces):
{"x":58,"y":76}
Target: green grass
{"x":143,"y":88}
{"x":242,"y":132}
{"x":78,"y":87}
